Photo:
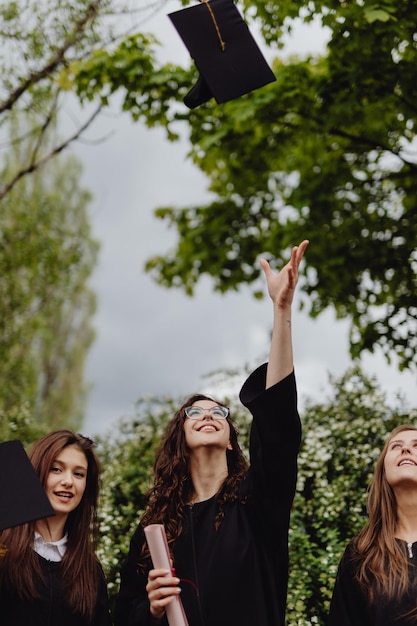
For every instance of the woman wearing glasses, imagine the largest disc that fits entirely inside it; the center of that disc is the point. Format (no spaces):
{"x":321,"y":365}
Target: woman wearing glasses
{"x":226,"y":521}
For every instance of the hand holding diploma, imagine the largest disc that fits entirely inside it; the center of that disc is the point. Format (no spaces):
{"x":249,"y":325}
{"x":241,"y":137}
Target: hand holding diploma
{"x":162,"y":588}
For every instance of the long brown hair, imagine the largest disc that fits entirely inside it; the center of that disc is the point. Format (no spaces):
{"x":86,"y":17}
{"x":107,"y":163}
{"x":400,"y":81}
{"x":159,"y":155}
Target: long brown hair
{"x":80,"y":570}
{"x":173,"y":488}
{"x":383,"y":569}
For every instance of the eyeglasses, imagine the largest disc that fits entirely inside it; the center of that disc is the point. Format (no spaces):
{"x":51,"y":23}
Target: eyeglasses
{"x":196,"y":412}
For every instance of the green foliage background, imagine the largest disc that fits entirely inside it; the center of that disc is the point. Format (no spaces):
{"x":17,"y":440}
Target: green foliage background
{"x":326,"y":152}
{"x":342,"y":438}
{"x":47,"y":255}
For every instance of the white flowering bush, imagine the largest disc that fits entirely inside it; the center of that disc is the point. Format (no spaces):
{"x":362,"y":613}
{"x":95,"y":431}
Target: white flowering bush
{"x":127,"y":457}
{"x":18,"y":422}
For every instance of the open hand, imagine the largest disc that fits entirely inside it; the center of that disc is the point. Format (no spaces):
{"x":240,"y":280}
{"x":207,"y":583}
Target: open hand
{"x":281,"y":286}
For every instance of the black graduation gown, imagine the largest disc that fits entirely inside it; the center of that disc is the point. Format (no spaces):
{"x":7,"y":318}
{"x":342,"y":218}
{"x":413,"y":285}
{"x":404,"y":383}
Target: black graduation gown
{"x":239,"y":574}
{"x":350,"y":606}
{"x":51,"y":609}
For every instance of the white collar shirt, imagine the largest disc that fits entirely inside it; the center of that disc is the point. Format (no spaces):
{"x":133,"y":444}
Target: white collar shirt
{"x":50,"y":550}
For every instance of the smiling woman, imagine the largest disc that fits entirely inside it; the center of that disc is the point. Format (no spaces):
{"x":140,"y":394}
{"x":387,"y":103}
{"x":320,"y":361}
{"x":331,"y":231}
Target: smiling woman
{"x":207,"y":417}
{"x":400,"y":461}
{"x":376,"y":583}
{"x":226,"y":520}
{"x":64,"y":487}
{"x":50,"y":574}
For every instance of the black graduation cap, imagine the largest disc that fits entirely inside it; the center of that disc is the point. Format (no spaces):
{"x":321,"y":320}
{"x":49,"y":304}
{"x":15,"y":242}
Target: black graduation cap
{"x":22,"y":497}
{"x":224,"y":51}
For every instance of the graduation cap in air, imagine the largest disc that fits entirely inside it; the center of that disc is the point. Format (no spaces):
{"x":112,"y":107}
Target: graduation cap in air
{"x":22,"y":497}
{"x":225,"y":53}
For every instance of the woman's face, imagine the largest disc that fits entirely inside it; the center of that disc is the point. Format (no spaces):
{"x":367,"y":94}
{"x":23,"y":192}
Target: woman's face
{"x":400,"y":461}
{"x":207,"y":430}
{"x":67,"y":480}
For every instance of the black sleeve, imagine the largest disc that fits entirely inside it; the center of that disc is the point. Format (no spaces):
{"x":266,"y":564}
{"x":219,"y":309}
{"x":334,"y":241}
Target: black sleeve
{"x":132,"y":604}
{"x":275,"y":435}
{"x":102,"y":615}
{"x":348,"y":606}
{"x":271,"y":481}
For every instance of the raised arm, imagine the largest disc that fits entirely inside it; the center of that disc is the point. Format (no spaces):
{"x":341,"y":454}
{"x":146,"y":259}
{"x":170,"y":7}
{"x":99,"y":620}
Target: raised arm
{"x":281,"y":288}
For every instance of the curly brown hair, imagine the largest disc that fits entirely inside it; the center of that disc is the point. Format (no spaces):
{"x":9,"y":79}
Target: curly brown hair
{"x":173,"y":488}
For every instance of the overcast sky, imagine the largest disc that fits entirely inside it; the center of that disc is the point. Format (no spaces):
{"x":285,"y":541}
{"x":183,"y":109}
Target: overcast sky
{"x":156,"y":341}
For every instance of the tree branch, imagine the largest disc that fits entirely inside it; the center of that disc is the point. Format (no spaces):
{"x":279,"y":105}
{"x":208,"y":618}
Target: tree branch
{"x":56,"y":61}
{"x":36,"y":164}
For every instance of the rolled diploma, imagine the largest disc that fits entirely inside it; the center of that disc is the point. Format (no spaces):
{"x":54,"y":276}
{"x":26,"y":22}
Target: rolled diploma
{"x":158,"y":547}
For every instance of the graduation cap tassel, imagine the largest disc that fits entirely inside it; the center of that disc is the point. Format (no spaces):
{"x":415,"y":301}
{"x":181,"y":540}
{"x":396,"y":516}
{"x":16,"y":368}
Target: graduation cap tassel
{"x":216,"y":26}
